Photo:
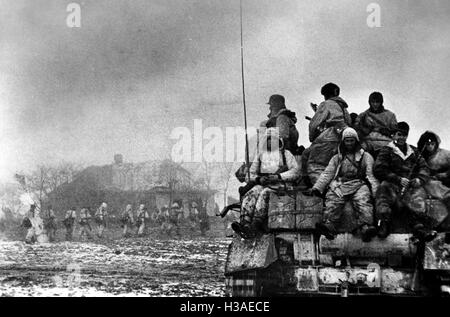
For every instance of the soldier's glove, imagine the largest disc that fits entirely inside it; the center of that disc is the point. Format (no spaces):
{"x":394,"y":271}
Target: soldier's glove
{"x":416,"y":183}
{"x":264,"y":180}
{"x":275,"y":178}
{"x":441,"y":176}
{"x":313,"y":192}
{"x":404,"y":182}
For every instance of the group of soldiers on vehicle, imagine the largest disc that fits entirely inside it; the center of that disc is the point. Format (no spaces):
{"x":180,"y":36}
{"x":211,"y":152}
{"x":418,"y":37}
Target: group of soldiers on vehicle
{"x":364,"y":159}
{"x":167,"y":219}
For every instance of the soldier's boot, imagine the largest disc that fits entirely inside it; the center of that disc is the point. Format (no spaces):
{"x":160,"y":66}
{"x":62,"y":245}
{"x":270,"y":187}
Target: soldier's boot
{"x":242,"y":228}
{"x":383,"y":229}
{"x":423,"y":234}
{"x":368,"y":232}
{"x":326,"y":229}
{"x":245,"y":230}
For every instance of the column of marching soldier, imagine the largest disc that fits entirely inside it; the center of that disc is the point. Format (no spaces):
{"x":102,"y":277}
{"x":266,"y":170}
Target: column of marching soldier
{"x":167,"y":220}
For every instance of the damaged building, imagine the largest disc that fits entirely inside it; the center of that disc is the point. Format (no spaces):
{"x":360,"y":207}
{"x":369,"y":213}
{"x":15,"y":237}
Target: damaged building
{"x":153,"y":183}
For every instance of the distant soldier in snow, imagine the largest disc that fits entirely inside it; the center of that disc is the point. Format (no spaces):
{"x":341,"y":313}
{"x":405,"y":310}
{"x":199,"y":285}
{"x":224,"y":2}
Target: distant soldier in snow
{"x":85,"y":226}
{"x":348,"y":177}
{"x":69,"y":223}
{"x":161,"y":216}
{"x":325,"y":129}
{"x":127,"y":220}
{"x":142,"y":217}
{"x":100,"y":219}
{"x":49,"y":219}
{"x":173,"y":219}
{"x":27,"y":223}
{"x":193,"y":216}
{"x":375,"y":125}
{"x":438,"y":159}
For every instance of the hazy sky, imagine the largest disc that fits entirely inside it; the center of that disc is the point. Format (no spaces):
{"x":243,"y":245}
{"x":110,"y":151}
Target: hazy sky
{"x":135,"y":70}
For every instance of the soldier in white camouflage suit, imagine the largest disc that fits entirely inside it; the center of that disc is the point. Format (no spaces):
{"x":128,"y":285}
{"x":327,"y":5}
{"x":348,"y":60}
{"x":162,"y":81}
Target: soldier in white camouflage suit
{"x":348,"y":177}
{"x":85,"y":226}
{"x":127,"y":219}
{"x":142,"y":217}
{"x":273,"y":168}
{"x":100,"y":219}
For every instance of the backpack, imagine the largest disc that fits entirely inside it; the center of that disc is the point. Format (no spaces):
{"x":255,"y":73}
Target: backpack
{"x":26,"y":223}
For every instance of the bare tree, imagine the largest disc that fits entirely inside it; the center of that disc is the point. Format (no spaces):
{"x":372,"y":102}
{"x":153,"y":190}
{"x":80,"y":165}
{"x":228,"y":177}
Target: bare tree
{"x":45,"y":179}
{"x":216,"y":175}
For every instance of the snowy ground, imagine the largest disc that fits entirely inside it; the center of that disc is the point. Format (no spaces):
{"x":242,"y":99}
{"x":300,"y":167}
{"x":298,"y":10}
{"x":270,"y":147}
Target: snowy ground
{"x":125,"y":267}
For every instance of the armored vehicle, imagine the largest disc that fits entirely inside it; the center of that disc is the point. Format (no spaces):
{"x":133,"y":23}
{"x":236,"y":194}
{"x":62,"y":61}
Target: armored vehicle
{"x":291,"y":259}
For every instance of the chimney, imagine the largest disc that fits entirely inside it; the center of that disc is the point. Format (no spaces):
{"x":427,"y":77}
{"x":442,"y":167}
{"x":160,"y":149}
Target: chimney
{"x":118,"y":159}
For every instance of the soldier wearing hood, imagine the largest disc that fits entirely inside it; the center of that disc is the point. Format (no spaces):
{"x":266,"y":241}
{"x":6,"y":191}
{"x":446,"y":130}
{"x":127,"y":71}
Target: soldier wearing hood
{"x":403,"y":172}
{"x":438,"y":159}
{"x":375,"y":125}
{"x":325,"y":128}
{"x":347,"y":177}
{"x":272,"y":168}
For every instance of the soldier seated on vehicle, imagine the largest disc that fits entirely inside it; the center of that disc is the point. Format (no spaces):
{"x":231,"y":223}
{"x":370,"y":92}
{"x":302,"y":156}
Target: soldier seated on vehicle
{"x":272,"y":169}
{"x":438,"y":159}
{"x":438,"y":186}
{"x":403,"y":172}
{"x":347,"y":177}
{"x":375,"y":125}
{"x":203,"y":219}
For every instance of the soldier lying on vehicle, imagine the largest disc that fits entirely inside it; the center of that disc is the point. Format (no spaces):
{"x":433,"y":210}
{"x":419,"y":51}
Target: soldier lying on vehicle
{"x":347,"y":177}
{"x":273,"y":168}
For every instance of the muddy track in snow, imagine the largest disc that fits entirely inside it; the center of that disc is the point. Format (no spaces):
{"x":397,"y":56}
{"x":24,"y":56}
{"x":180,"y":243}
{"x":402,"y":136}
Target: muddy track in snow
{"x":126,"y":267}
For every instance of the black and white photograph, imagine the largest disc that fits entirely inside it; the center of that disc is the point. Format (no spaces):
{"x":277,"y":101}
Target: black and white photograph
{"x":225,"y":149}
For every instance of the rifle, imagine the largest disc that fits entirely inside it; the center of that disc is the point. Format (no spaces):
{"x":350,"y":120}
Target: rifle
{"x":225,"y":210}
{"x":403,"y":192}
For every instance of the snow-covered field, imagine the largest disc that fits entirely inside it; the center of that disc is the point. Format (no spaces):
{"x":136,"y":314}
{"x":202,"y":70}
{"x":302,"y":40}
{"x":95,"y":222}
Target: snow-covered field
{"x":126,"y":267}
